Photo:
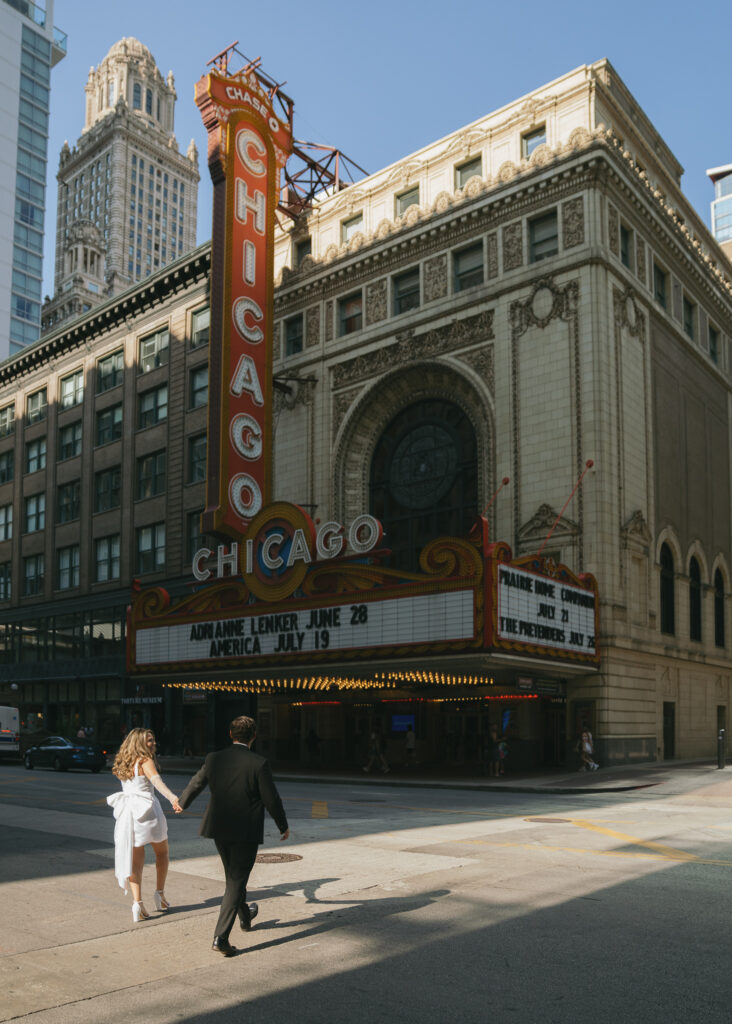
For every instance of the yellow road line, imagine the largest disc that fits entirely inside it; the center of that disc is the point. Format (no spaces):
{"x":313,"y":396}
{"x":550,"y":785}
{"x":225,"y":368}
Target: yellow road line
{"x":670,"y":852}
{"x":543,"y":847}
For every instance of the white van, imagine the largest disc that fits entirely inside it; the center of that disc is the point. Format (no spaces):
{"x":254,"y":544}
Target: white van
{"x":9,"y":732}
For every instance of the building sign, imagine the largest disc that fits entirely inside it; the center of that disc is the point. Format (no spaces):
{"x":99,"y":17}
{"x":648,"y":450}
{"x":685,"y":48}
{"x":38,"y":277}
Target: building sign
{"x":248,"y":146}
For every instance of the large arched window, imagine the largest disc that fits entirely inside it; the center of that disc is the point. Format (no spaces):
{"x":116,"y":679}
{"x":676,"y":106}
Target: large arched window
{"x":695,"y":601}
{"x":148,"y":101}
{"x":718,"y":609}
{"x":424,"y":478}
{"x":136,"y":96}
{"x":668,"y":611}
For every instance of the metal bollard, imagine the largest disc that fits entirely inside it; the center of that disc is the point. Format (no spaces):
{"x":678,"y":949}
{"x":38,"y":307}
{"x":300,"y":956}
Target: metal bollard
{"x":720,"y":750}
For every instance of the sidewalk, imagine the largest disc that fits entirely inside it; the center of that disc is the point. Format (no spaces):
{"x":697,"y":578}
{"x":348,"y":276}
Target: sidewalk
{"x":678,"y":774}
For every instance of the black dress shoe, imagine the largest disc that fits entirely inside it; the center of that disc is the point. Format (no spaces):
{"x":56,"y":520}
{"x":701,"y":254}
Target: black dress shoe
{"x":247,"y":913}
{"x":223,"y":946}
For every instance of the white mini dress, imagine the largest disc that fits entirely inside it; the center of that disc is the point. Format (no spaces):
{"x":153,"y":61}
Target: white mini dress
{"x":139,"y":819}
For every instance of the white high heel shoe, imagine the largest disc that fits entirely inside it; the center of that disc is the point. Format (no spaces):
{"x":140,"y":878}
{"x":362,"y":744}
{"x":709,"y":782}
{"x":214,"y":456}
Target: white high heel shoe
{"x":160,"y":901}
{"x":138,"y":912}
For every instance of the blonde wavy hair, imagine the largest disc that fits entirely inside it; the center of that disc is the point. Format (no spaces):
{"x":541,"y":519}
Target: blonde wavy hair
{"x":134,"y":748}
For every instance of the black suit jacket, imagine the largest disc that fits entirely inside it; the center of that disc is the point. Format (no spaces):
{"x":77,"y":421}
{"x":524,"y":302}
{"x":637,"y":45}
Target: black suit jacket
{"x":241,"y":787}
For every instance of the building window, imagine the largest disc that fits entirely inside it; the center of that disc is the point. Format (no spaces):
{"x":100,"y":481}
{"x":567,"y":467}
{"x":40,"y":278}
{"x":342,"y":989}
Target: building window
{"x":68,"y":567}
{"x":153,"y":351}
{"x":6,"y":588}
{"x":137,"y":96}
{"x":468,"y":267}
{"x":719,"y":631}
{"x":293,"y":335}
{"x":194,"y":536}
{"x":350,"y":313}
{"x":151,"y":548}
{"x":351,"y":226}
{"x":689,"y":315}
{"x":406,"y":291}
{"x":197,"y":459}
{"x":464,"y":172}
{"x":69,"y":441}
{"x":6,"y":522}
{"x":7,"y":466}
{"x":152,"y":407}
{"x":404,"y":200}
{"x":110,"y":371}
{"x":148,"y":101}
{"x":660,"y":286}
{"x":713,"y":344}
{"x":106,"y":559}
{"x":200,"y":324}
{"x":626,"y":246}
{"x":198,"y":386}
{"x":668,"y":603}
{"x":530,"y":141}
{"x":107,"y":489}
{"x":35,"y":513}
{"x":69,"y":502}
{"x":35,"y":455}
{"x":7,"y":420}
{"x":109,"y":425}
{"x":72,"y":389}
{"x":33,"y":575}
{"x":543,"y":237}
{"x":695,"y":601}
{"x":36,"y":406}
{"x":303,"y":248}
{"x":151,"y":475}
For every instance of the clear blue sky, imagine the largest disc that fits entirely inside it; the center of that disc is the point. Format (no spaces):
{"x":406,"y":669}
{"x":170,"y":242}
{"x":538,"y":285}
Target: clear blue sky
{"x":380,"y":79}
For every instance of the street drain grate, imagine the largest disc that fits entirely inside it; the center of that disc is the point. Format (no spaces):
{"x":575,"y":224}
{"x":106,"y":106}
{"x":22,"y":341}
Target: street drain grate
{"x":277,"y":858}
{"x":549,"y":821}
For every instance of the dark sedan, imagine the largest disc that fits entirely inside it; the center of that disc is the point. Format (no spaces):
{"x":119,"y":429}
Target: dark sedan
{"x":58,"y":753}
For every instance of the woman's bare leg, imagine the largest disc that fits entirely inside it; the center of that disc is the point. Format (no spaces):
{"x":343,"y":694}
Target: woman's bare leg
{"x":162,"y":860}
{"x":138,"y":863}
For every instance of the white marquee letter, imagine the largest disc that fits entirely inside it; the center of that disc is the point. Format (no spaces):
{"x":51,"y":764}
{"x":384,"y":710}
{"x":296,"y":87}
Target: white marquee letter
{"x":242,"y":306}
{"x":200,"y":556}
{"x":244,"y":139}
{"x":230,"y":559}
{"x":299,"y":550}
{"x":269,"y":561}
{"x":330,"y":541}
{"x":245,"y":379}
{"x":371,"y":527}
{"x":257,"y":203}
{"x":246,"y":436}
{"x":245,"y":496}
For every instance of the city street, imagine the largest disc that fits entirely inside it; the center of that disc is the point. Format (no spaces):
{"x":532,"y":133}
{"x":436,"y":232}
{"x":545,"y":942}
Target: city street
{"x":395,"y":904}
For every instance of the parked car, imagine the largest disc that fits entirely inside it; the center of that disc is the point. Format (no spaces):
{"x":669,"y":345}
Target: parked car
{"x":59,"y":753}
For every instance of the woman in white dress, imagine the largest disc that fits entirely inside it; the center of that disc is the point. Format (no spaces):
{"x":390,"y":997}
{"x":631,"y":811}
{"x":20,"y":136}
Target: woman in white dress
{"x":140,"y":819}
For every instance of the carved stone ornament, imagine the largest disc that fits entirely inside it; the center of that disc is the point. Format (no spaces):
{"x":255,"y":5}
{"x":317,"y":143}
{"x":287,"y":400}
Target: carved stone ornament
{"x":507,"y":171}
{"x":384,"y":229}
{"x":541,"y":156}
{"x":573,"y":222}
{"x":546,"y":302}
{"x":636,"y":534}
{"x":410,"y":347}
{"x":513,"y":245}
{"x":627,"y":313}
{"x":541,"y":523}
{"x":473,"y":186}
{"x":331,"y":253}
{"x":329,"y":320}
{"x":443,"y":201}
{"x":412,"y":215}
{"x":312,"y":327}
{"x":342,"y":402}
{"x":613,"y":230}
{"x":482,"y":361}
{"x":435,"y":278}
{"x":579,"y":138}
{"x":376,"y":301}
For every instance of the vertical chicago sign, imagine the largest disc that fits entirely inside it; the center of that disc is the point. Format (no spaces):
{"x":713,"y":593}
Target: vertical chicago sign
{"x":248,"y":144}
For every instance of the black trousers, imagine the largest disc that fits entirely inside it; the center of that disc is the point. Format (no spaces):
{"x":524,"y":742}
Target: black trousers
{"x":238,"y":860}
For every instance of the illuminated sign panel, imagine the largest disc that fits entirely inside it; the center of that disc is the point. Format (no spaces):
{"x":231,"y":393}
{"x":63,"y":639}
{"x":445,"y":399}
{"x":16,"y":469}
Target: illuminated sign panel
{"x":248,"y":146}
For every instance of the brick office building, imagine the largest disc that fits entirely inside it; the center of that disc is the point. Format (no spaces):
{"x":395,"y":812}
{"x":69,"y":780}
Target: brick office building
{"x":525,"y":295}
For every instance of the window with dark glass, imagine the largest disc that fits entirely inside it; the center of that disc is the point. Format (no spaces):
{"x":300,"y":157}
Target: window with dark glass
{"x":35,"y":455}
{"x":6,"y":522}
{"x":109,"y":425}
{"x":67,"y":567}
{"x":68,"y":503}
{"x":406,"y":291}
{"x":196,"y":459}
{"x":107,"y":489}
{"x":626,"y":246}
{"x":194,"y":537}
{"x":668,"y":601}
{"x":137,"y":96}
{"x":36,"y":406}
{"x":153,"y":351}
{"x":69,"y":441}
{"x":198,"y":386}
{"x":7,"y":466}
{"x":71,"y":389}
{"x":468,"y":267}
{"x":151,"y":475}
{"x":713,"y":344}
{"x":6,"y":588}
{"x":200,"y":325}
{"x":152,"y":407}
{"x":689,"y":316}
{"x":110,"y":371}
{"x":660,"y":285}
{"x":695,"y":601}
{"x":424,"y":478}
{"x":33,"y":575}
{"x":350,"y":313}
{"x":151,"y":548}
{"x":530,"y":141}
{"x":543,"y":237}
{"x":293,"y":334}
{"x":464,"y":172}
{"x":35,"y":513}
{"x":404,"y":200}
{"x":303,"y":248}
{"x":351,"y":226}
{"x":148,"y":101}
{"x":7,"y":420}
{"x":106,"y":558}
{"x":719,"y":610}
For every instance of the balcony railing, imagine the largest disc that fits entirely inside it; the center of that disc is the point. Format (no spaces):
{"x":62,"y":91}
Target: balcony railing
{"x":30,"y":10}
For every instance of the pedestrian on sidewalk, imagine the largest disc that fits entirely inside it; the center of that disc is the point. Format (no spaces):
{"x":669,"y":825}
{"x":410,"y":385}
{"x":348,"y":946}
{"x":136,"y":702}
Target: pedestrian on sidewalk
{"x":410,"y":747}
{"x":587,"y":752}
{"x":139,"y":818}
{"x":377,"y":746}
{"x":241,"y":787}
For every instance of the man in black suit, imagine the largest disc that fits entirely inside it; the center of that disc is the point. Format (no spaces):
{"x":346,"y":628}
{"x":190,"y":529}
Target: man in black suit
{"x":241,"y":787}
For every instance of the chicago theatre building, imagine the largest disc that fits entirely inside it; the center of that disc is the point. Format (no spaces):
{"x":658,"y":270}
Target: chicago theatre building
{"x":494,"y":380}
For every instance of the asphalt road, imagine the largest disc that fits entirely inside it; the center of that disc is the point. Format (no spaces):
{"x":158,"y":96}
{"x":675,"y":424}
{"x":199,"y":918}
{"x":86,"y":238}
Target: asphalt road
{"x":398,"y":905}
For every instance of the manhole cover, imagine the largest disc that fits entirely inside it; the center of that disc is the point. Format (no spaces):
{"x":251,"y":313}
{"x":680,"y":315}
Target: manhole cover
{"x":277,"y":858}
{"x":549,"y":821}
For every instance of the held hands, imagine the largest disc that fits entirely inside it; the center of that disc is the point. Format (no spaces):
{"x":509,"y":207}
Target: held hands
{"x":284,"y":835}
{"x":177,"y":807}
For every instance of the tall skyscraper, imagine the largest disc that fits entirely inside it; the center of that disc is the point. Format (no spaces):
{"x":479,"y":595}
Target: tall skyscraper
{"x":30,"y":47}
{"x":722,"y":206}
{"x":127,"y":198}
